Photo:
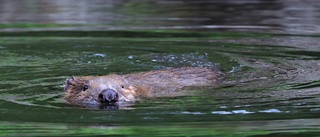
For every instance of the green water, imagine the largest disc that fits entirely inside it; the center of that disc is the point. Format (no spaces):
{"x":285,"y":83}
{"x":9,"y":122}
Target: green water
{"x":269,"y":51}
{"x":255,"y":99}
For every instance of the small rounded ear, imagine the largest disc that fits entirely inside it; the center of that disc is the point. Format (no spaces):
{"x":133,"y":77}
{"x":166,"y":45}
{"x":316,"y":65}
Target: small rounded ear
{"x":69,"y":83}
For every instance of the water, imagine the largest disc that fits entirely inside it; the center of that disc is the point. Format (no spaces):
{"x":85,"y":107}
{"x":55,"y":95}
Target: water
{"x":272,"y":71}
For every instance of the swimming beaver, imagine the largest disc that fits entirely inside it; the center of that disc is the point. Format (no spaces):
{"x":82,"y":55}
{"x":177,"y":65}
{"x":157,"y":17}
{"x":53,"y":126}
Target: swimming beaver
{"x":131,"y":87}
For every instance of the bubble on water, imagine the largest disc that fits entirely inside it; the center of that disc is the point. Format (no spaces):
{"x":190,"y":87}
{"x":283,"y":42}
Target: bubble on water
{"x":191,"y":59}
{"x":154,"y":60}
{"x":100,"y":55}
{"x":130,"y":57}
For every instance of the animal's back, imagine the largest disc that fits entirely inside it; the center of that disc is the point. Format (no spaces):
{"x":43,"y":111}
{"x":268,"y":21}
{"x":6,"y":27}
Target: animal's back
{"x":170,"y":80}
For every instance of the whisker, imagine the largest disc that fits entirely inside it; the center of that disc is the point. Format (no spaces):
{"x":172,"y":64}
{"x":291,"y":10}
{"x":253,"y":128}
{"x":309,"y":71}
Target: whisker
{"x":80,"y":72}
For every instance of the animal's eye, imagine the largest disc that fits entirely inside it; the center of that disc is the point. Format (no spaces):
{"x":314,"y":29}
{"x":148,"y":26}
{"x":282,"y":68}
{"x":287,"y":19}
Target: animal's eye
{"x":85,"y":87}
{"x":122,"y":86}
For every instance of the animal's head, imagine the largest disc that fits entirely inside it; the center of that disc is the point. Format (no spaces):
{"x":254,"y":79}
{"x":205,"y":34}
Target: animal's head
{"x":99,"y":90}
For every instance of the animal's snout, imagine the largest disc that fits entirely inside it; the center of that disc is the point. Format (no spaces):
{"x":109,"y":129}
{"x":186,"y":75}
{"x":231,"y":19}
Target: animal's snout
{"x":108,"y":96}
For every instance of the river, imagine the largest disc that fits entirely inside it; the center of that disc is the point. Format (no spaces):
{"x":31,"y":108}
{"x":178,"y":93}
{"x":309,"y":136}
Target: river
{"x":269,"y":51}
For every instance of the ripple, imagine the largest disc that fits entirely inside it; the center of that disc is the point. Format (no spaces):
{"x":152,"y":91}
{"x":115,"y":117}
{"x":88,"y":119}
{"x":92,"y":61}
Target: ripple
{"x":195,"y":59}
{"x":221,"y":112}
{"x":192,"y":113}
{"x":242,"y":112}
{"x":247,"y":112}
{"x":315,"y":109}
{"x":271,"y":111}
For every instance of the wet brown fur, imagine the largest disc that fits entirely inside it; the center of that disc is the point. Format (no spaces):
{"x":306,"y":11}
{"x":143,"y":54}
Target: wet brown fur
{"x":131,"y":87}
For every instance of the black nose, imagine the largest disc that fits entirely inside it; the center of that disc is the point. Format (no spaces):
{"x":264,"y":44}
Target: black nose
{"x":108,"y":96}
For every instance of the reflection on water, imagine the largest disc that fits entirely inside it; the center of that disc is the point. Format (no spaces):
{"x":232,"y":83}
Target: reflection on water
{"x":270,"y":94}
{"x":238,"y":128}
{"x":271,"y":86}
{"x":298,"y":17}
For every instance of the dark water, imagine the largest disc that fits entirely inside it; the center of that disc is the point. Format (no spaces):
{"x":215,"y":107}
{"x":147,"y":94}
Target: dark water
{"x":269,"y":51}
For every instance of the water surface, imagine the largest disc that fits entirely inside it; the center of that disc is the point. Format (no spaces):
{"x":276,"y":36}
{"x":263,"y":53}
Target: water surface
{"x":272,"y":71}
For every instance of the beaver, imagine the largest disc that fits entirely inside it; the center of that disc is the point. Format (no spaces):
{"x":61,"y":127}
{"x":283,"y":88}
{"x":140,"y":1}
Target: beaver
{"x":115,"y":88}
